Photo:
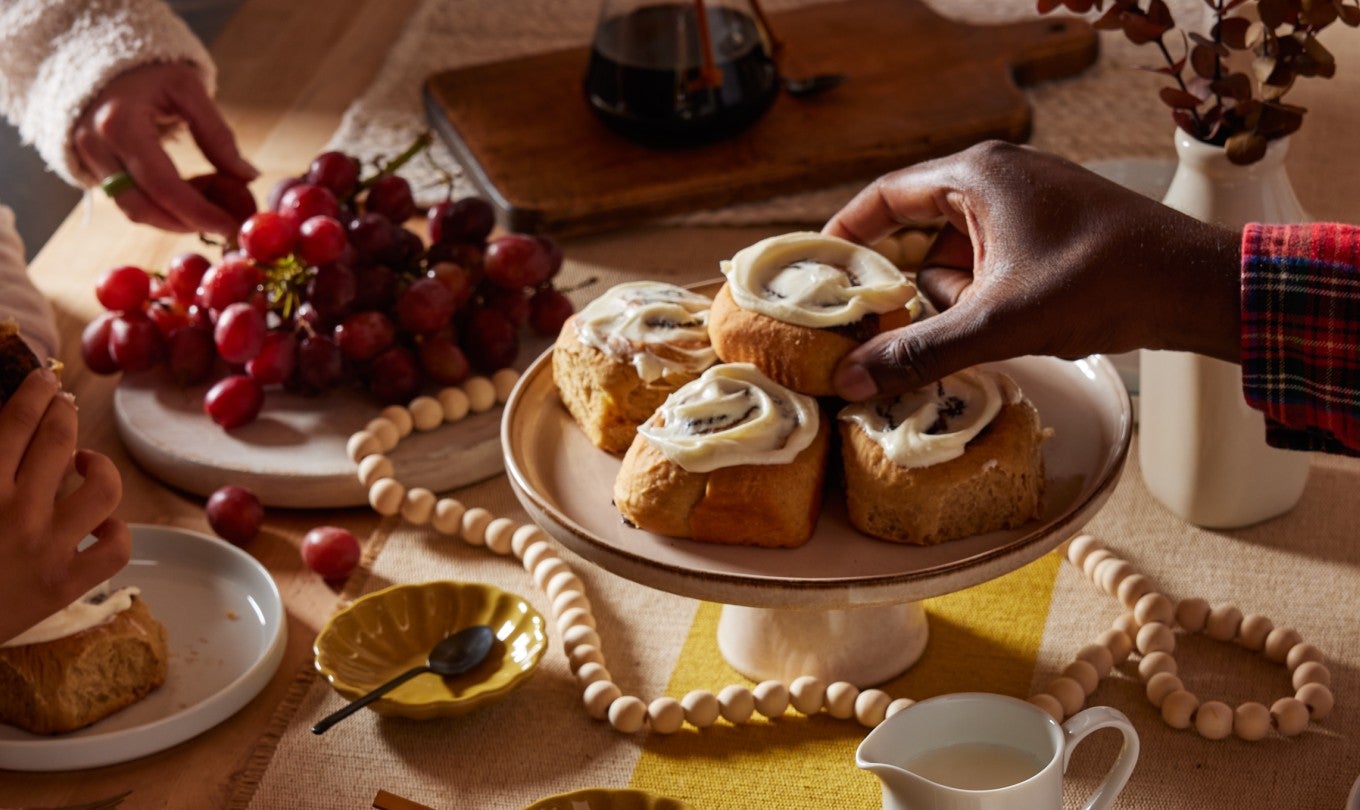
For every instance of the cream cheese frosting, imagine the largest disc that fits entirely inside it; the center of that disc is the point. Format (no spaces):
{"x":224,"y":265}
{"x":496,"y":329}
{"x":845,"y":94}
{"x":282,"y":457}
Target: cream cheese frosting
{"x":732,"y":414}
{"x":93,"y":609}
{"x":658,"y":328}
{"x":814,"y":280}
{"x":933,"y":424}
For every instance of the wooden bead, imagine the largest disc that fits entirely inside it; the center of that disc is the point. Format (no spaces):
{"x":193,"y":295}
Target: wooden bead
{"x":548,"y":568}
{"x":598,"y":696}
{"x":772,"y":698}
{"x":362,"y":444}
{"x":386,"y":496}
{"x":1111,"y":573}
{"x":1223,"y":622}
{"x":1311,"y":672}
{"x":590,"y":672}
{"x":1098,"y":656}
{"x":1301,"y":654}
{"x":736,"y":704}
{"x":1318,"y":698}
{"x":374,"y":467}
{"x":426,"y":413}
{"x":1155,"y":662}
{"x":400,"y":418}
{"x":574,"y":616}
{"x":1155,"y":637}
{"x":840,"y":699}
{"x":569,"y":599}
{"x":1160,"y":685}
{"x":1154,"y":607}
{"x":1214,"y":720}
{"x":481,"y":394}
{"x":898,"y":705}
{"x":448,"y":516}
{"x":1253,"y":631}
{"x":578,"y":634}
{"x":666,"y":715}
{"x":1079,"y":547}
{"x":1178,"y":708}
{"x":1192,"y":613}
{"x":386,"y":432}
{"x":1290,"y":716}
{"x":1049,"y":704}
{"x":584,"y":654}
{"x":807,"y":693}
{"x":871,"y":707}
{"x":1088,"y":565}
{"x":1118,"y":643}
{"x":1133,"y":588}
{"x":535,"y":555}
{"x":1083,"y":673}
{"x":1279,"y":642}
{"x":454,"y":403}
{"x":1069,"y":694}
{"x":1128,"y":624}
{"x":1251,"y":722}
{"x":628,"y":714}
{"x":418,"y":506}
{"x":524,"y":537}
{"x":498,"y":535}
{"x":701,"y":708}
{"x":563,"y":582}
{"x":475,"y":521}
{"x":503,"y":382}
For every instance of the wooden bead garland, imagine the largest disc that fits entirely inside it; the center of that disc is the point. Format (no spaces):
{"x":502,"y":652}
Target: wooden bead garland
{"x":1146,"y":629}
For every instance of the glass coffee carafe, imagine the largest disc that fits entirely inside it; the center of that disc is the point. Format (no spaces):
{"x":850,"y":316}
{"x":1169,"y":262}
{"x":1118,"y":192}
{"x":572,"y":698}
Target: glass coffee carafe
{"x":680,"y":73}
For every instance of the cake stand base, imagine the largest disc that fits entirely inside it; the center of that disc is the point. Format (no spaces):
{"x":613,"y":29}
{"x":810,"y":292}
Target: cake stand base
{"x":861,"y":645}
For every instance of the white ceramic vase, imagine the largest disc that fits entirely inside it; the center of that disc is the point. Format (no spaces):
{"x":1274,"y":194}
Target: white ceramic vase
{"x":1202,"y":451}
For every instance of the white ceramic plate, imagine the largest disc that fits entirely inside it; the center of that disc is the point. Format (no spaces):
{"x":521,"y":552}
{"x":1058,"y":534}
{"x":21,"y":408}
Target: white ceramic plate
{"x":1353,"y":803}
{"x":225,"y":624}
{"x":565,"y":483}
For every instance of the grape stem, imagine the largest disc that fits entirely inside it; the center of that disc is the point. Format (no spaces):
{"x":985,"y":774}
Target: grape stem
{"x":420,"y":144}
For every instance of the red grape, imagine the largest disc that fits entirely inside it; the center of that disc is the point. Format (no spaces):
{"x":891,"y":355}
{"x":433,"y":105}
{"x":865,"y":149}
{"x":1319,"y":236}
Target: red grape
{"x":276,"y":359}
{"x":234,"y":400}
{"x":231,"y":194}
{"x":336,"y":171}
{"x":135,"y":343}
{"x":306,"y":200}
{"x":467,"y":220}
{"x":548,"y":310}
{"x":554,"y":252}
{"x":390,"y":195}
{"x":425,"y":306}
{"x":184,"y":275}
{"x":513,"y":303}
{"x":330,"y":551}
{"x":230,"y":281}
{"x":191,"y":355}
{"x":124,"y":287}
{"x":321,"y":240}
{"x":372,"y":235}
{"x":469,"y":257}
{"x":443,"y":360}
{"x":489,"y":339}
{"x":332,"y":291}
{"x":457,"y":279}
{"x":268,"y":236}
{"x":94,"y":344}
{"x":239,"y":333}
{"x":280,"y":188}
{"x":168,"y":316}
{"x":516,"y":260}
{"x":320,"y":364}
{"x":363,"y":335}
{"x":375,"y":287}
{"x":235,"y":513}
{"x":394,"y":376}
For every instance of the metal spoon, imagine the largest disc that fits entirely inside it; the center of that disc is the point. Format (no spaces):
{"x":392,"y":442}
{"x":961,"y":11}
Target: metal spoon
{"x":812,"y":85}
{"x":454,"y":655}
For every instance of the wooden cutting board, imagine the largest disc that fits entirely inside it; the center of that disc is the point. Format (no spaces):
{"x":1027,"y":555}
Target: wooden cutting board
{"x":918,"y":86}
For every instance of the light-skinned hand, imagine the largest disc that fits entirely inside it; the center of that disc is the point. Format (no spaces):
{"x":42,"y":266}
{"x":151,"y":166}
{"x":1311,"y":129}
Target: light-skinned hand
{"x":41,"y":570}
{"x":122,"y":128}
{"x":1039,"y":256}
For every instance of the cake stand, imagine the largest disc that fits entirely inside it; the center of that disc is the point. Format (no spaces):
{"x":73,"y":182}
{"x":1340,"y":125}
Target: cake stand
{"x":842,"y":607}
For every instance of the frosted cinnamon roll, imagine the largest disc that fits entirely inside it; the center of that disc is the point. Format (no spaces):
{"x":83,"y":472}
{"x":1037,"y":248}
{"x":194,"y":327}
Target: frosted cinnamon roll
{"x":952,"y":459}
{"x":619,"y":358}
{"x":732,"y":457}
{"x":795,"y":304}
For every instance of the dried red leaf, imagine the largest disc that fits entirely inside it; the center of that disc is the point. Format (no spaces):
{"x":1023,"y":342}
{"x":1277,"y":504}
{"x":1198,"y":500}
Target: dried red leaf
{"x":1179,"y":99}
{"x":1236,"y":86}
{"x":1273,"y":13}
{"x":1233,"y":32}
{"x":1204,"y":61}
{"x":1245,"y":147}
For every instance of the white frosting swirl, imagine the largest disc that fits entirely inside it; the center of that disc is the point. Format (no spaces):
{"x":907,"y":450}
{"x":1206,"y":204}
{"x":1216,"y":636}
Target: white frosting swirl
{"x":733,"y":414}
{"x":94,"y":608}
{"x":933,"y":424}
{"x":810,"y":279}
{"x":659,"y":328}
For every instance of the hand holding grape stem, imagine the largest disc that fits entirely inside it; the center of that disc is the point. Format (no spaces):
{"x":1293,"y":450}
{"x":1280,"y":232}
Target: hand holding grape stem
{"x":1039,"y":256}
{"x":121,"y":131}
{"x":41,"y":570}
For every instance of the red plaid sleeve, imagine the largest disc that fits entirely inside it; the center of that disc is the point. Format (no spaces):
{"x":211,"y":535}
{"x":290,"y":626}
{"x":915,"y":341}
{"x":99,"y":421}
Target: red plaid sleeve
{"x":1301,"y":333}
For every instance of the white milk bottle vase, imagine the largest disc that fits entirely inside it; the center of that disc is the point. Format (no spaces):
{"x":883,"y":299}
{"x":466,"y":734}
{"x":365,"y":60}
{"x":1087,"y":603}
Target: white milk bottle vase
{"x":1203,"y":452}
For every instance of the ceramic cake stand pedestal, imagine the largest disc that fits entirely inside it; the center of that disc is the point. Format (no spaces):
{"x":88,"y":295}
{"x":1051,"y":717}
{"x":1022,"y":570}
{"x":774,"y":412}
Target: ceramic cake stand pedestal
{"x":842,"y":606}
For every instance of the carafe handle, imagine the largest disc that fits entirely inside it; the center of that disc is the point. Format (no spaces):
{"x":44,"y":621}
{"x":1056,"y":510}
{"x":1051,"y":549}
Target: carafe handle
{"x":1094,"y":719}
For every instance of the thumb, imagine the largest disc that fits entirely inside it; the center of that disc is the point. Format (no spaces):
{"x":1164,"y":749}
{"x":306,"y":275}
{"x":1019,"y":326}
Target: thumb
{"x":908,"y":358}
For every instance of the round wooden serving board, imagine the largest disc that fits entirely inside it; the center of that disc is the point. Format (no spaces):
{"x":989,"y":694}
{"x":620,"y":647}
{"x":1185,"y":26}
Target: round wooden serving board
{"x":293,"y":455}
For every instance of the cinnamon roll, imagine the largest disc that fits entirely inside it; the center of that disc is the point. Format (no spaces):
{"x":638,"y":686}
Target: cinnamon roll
{"x":732,"y":457}
{"x":953,"y":459}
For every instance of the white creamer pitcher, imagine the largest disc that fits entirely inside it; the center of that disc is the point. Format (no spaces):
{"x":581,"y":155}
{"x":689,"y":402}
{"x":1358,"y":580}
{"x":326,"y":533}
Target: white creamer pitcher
{"x":982,"y":751}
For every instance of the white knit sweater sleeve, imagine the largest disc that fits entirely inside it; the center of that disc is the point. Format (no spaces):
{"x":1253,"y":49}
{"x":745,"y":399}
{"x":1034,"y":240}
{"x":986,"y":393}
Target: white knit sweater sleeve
{"x":19,"y":299}
{"x":56,"y":55}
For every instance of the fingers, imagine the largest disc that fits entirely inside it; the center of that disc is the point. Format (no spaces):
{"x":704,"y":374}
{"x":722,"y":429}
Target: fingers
{"x":45,"y":460}
{"x":21,"y":417}
{"x":93,"y":501}
{"x":210,"y":131}
{"x":909,"y":195}
{"x":910,"y":357}
{"x":102,"y":559}
{"x":946,"y":272}
{"x":96,"y":156}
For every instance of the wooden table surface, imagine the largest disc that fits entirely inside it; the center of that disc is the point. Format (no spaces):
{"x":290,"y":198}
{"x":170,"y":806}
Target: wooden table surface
{"x":288,"y":70}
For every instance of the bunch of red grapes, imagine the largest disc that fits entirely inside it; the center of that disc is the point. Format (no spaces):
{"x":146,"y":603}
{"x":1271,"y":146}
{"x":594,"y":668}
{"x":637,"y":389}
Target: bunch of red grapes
{"x":328,"y":288}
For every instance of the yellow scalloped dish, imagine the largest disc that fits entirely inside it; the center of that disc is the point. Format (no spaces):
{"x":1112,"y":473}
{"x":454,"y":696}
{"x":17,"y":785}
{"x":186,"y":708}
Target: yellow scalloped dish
{"x":387,"y":632}
{"x":608,"y":799}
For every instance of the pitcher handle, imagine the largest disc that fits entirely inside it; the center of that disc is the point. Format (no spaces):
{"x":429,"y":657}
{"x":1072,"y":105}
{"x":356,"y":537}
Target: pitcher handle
{"x":1094,"y":719}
